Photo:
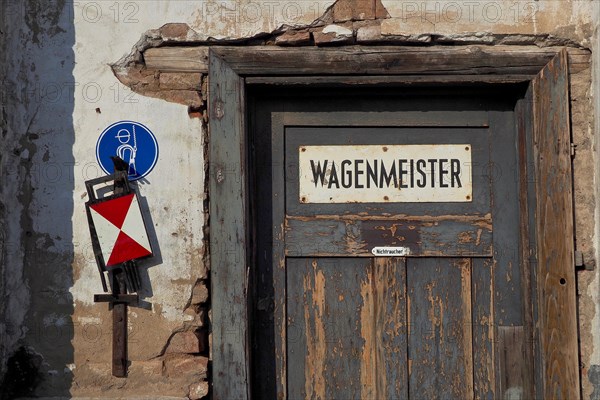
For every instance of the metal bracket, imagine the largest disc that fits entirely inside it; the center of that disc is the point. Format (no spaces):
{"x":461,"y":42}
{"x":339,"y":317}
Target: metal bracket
{"x":116,"y":298}
{"x":580,"y":264}
{"x":578,"y":258}
{"x":120,"y":185}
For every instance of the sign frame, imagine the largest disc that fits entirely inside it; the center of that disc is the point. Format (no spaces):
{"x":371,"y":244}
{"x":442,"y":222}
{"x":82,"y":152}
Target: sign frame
{"x":393,"y":173}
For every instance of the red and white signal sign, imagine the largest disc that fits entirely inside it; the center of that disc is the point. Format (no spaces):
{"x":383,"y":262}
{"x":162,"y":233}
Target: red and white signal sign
{"x":120,"y":229}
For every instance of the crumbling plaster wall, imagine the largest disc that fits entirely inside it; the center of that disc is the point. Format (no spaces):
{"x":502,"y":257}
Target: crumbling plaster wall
{"x":59,"y":93}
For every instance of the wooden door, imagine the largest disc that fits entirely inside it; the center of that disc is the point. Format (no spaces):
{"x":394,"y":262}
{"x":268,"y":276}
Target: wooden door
{"x":333,"y":321}
{"x":523,"y":310}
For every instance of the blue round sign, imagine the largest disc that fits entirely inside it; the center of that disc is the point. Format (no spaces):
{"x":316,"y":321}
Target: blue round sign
{"x":132,"y":142}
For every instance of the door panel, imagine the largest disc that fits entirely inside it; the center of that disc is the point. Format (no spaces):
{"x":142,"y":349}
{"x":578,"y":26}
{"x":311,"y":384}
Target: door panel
{"x":440,"y":345}
{"x":355,"y":235}
{"x":346,"y":332}
{"x":353,"y":229}
{"x":347,"y":325}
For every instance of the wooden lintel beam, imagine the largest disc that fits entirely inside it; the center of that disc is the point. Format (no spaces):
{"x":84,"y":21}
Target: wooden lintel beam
{"x":399,"y":60}
{"x":177,"y":59}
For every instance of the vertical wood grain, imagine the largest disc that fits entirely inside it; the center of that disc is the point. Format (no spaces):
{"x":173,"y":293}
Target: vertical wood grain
{"x":389,"y":328}
{"x":279,"y":243}
{"x":440,"y":339}
{"x":509,"y":306}
{"x":513,"y":374}
{"x":527,"y":241}
{"x":228,"y":232}
{"x":346,"y":329}
{"x":482,"y":286}
{"x":554,"y":231}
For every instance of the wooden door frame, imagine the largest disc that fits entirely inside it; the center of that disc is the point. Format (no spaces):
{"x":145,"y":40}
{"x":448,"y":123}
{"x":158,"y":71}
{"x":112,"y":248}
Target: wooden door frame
{"x":544,"y":175}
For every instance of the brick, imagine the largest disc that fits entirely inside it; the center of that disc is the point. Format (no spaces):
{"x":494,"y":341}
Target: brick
{"x":195,"y":317}
{"x":186,"y":367}
{"x":186,"y":97}
{"x":380,"y":10}
{"x":332,"y":35}
{"x":146,"y":368}
{"x":199,"y":293}
{"x":175,"y":31}
{"x":135,"y":76}
{"x":293,"y":38}
{"x":370,"y":33}
{"x":180,"y":81}
{"x":184,"y":342}
{"x":198,"y":390}
{"x":353,"y":10}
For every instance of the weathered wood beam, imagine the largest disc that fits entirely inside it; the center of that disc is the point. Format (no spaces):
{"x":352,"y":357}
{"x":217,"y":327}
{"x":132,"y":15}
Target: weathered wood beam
{"x":177,"y":59}
{"x":517,"y":61}
{"x":384,"y":80}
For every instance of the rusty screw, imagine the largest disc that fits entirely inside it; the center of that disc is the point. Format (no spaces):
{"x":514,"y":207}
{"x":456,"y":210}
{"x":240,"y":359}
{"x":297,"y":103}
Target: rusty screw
{"x":384,"y":148}
{"x":303,"y":199}
{"x":386,"y":198}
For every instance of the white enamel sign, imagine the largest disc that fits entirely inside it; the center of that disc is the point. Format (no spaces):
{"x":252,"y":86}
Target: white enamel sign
{"x":385,"y":173}
{"x":390,"y":251}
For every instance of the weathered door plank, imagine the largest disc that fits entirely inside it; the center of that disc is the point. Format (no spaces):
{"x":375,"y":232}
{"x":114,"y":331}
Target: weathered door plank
{"x":469,"y":235}
{"x":388,"y":322}
{"x":346,"y":328}
{"x":554,"y":229}
{"x":278,"y":253}
{"x":482,"y":305}
{"x":440,"y":338}
{"x":514,"y":373}
{"x":228,"y":233}
{"x":390,"y":60}
{"x":509,"y":307}
{"x":527,"y":238}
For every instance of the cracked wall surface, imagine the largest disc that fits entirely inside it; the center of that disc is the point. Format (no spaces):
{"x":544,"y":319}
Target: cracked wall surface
{"x":37,"y":241}
{"x":59,"y":92}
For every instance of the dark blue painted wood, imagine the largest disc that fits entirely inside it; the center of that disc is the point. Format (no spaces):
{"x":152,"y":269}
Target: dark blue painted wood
{"x":228,"y":233}
{"x":440,"y":345}
{"x":346,"y":331}
{"x":484,"y":329}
